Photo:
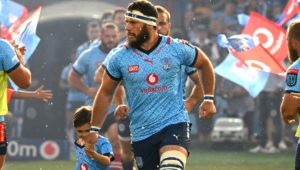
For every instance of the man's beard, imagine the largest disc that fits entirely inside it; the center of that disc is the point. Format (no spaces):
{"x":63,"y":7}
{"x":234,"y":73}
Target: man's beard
{"x":292,"y":55}
{"x":141,"y":38}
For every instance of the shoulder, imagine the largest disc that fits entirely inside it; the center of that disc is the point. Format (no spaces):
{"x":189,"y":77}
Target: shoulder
{"x":295,"y":65}
{"x":175,"y":41}
{"x":82,"y":46}
{"x":119,"y":51}
{"x":88,"y":52}
{"x":5,"y":45}
{"x":102,"y":141}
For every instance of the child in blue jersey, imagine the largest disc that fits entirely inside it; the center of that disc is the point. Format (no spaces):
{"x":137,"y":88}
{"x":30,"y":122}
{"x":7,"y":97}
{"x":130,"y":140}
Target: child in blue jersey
{"x":90,"y":157}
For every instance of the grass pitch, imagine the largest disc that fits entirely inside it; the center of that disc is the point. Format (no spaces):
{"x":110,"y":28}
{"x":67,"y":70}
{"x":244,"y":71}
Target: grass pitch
{"x":200,"y":159}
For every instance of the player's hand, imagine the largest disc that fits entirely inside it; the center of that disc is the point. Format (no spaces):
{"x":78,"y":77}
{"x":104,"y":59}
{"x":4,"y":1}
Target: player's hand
{"x":20,"y":51}
{"x":121,"y":112}
{"x":207,"y":109}
{"x":91,"y":138}
{"x":92,"y":92}
{"x":42,"y":94}
{"x":89,"y":150}
{"x":289,"y":107}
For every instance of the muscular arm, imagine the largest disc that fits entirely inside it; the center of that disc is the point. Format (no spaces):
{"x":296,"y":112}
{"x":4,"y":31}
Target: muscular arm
{"x":21,"y":76}
{"x":207,"y":109}
{"x":99,"y":74}
{"x":103,"y":100}
{"x":289,"y":107}
{"x":119,"y":96}
{"x":207,"y":70}
{"x":196,"y":93}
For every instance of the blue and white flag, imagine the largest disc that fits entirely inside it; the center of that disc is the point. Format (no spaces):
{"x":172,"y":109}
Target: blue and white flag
{"x":250,"y":79}
{"x":253,"y":80}
{"x":10,"y":12}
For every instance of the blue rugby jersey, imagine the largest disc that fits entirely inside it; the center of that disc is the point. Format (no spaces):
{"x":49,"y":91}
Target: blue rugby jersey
{"x":8,"y":63}
{"x":73,"y":94}
{"x":292,"y":80}
{"x":102,"y":146}
{"x":86,"y":46}
{"x":87,"y":64}
{"x":153,"y":83}
{"x":292,"y":84}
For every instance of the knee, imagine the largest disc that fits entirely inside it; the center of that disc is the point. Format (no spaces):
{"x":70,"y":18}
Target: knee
{"x":172,"y":160}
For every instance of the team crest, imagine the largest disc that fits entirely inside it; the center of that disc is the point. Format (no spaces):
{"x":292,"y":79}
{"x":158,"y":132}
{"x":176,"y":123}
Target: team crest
{"x":291,"y":77}
{"x":166,"y":63}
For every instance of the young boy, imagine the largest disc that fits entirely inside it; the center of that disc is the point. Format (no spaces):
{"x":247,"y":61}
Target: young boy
{"x":88,"y":157}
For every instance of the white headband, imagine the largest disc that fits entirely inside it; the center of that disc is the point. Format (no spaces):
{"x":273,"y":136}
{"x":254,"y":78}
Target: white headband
{"x":137,"y":15}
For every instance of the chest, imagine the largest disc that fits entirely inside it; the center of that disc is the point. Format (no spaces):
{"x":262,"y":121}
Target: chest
{"x":161,"y":66}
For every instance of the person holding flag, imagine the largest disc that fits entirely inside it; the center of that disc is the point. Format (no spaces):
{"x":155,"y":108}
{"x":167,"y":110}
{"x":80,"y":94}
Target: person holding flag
{"x":12,"y":66}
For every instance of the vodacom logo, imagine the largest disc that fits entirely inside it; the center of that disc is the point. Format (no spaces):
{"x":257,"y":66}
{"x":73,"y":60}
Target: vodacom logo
{"x":152,"y":79}
{"x":49,"y":150}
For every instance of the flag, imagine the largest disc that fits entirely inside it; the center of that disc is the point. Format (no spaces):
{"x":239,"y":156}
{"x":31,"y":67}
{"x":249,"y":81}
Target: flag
{"x":258,"y":57}
{"x":291,"y":9}
{"x":243,"y":19}
{"x":250,"y":79}
{"x":10,"y":12}
{"x":24,"y":33}
{"x":271,"y":36}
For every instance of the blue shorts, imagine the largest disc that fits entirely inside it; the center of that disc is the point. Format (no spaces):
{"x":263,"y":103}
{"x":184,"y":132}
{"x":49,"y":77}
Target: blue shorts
{"x":146,"y":151}
{"x":110,"y":119}
{"x":123,"y":129}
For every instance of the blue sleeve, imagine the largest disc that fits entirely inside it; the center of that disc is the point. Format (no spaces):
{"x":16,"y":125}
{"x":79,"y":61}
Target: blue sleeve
{"x":8,"y":57}
{"x":64,"y":74}
{"x":190,"y":70}
{"x":292,"y":80}
{"x":104,"y":147}
{"x":187,"y":52}
{"x":80,"y":65}
{"x":112,"y":65}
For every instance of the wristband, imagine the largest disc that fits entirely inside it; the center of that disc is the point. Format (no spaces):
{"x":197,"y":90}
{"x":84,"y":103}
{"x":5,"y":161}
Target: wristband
{"x":94,"y":129}
{"x":208,"y":98}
